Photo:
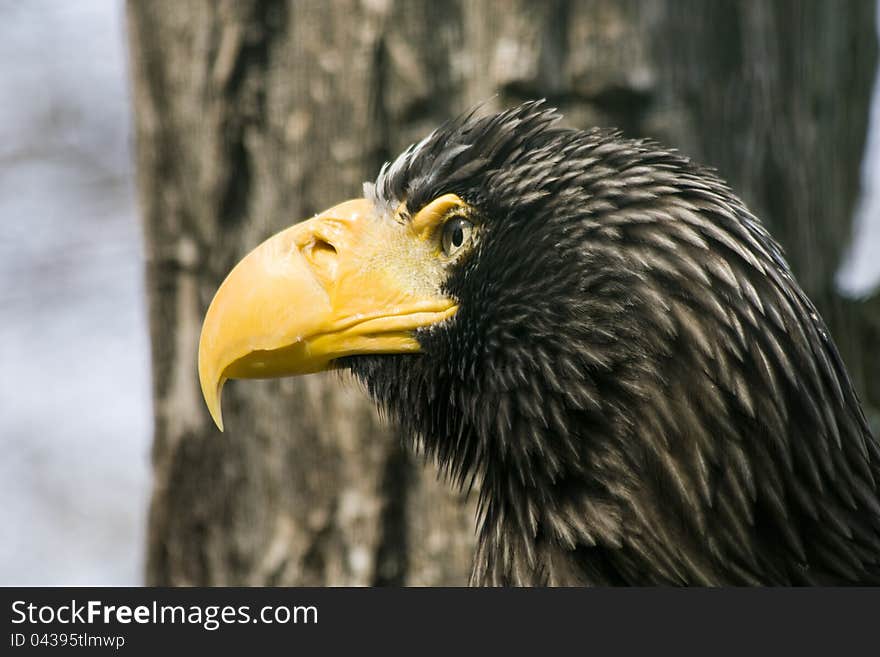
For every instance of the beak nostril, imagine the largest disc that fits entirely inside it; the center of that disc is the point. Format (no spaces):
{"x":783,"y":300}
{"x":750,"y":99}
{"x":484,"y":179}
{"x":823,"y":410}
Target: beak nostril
{"x":321,"y":247}
{"x":322,"y":255}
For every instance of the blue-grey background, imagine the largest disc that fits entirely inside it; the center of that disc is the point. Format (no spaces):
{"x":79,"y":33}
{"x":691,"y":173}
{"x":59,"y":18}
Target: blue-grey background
{"x":75,"y":416}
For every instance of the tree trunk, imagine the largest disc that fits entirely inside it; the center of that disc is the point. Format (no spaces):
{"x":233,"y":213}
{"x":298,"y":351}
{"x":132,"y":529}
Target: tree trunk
{"x":253,"y":115}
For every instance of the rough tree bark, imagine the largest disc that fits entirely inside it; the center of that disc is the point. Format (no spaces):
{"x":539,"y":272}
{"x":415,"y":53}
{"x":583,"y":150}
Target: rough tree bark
{"x":252,"y":115}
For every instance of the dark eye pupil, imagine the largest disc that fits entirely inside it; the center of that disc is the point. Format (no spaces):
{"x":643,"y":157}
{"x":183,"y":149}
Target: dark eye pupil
{"x":457,"y":236}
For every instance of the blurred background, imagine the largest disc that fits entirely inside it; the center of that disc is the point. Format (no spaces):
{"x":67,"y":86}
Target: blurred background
{"x":75,"y":415}
{"x":145,"y":148}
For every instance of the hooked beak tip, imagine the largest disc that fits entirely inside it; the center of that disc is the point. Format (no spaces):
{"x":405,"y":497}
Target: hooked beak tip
{"x":215,"y":407}
{"x":212,"y":391}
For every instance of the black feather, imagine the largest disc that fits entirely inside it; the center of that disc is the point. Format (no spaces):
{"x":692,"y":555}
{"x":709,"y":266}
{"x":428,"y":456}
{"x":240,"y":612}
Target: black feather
{"x":636,"y":383}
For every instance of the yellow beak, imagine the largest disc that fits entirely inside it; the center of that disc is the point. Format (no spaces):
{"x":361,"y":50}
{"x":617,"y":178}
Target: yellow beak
{"x":346,"y":282}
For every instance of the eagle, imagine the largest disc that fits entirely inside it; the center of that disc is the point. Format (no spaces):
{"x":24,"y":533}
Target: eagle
{"x":595,"y":333}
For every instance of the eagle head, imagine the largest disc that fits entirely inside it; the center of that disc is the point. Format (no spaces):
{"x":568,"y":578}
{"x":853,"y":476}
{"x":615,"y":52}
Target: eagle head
{"x":594,"y":330}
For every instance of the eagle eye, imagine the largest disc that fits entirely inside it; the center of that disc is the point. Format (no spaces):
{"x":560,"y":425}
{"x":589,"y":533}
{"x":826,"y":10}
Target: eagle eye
{"x":457,"y":233}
